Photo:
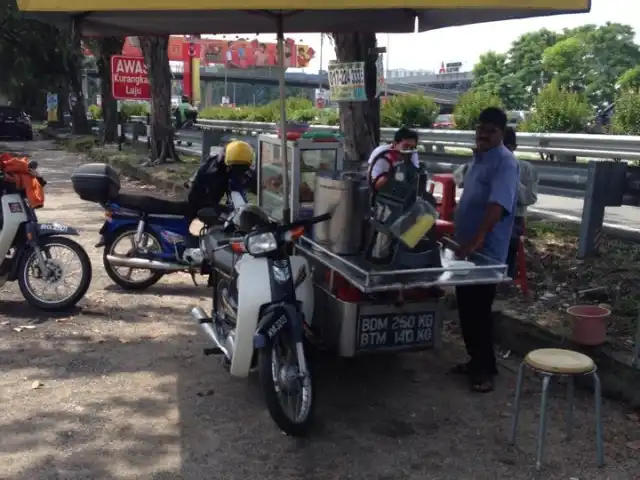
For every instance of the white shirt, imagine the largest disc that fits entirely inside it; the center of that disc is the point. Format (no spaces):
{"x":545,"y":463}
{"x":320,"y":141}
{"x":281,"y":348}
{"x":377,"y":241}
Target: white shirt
{"x":229,"y":55}
{"x":383,"y":165}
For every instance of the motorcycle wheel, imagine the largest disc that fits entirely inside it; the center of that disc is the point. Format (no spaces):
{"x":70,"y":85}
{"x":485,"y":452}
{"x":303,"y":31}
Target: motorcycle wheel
{"x":29,"y":267}
{"x":279,"y":377}
{"x":125,"y":280}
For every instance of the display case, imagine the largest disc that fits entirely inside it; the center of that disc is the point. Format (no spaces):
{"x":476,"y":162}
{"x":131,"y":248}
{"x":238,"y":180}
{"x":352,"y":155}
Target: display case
{"x":307,"y":156}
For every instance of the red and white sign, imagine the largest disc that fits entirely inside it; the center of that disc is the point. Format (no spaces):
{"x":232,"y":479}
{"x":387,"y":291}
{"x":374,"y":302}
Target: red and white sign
{"x":129,"y":80}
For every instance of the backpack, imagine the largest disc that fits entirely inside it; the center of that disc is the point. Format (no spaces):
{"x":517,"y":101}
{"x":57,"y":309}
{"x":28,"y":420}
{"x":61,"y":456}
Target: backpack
{"x":17,"y":172}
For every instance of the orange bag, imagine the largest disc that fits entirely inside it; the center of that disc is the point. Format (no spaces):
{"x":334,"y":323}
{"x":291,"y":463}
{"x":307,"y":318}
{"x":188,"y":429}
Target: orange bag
{"x":16,"y":170}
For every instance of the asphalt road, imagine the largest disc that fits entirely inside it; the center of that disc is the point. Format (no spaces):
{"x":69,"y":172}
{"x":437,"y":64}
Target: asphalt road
{"x":119,"y":389}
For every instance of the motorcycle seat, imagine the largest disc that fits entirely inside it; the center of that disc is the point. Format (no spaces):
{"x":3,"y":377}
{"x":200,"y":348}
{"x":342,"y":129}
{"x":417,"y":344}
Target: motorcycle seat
{"x":209,"y":215}
{"x":152,"y":205}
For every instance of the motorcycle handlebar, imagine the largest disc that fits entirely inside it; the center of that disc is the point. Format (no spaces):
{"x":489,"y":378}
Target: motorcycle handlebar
{"x":307,"y":222}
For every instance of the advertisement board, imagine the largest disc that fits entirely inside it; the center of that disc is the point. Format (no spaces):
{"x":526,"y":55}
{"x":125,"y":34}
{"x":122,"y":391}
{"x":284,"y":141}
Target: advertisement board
{"x":346,"y":82}
{"x":129,"y":80}
{"x":239,"y":53}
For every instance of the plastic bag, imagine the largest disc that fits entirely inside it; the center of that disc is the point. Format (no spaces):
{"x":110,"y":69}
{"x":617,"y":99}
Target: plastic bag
{"x":415,"y":223}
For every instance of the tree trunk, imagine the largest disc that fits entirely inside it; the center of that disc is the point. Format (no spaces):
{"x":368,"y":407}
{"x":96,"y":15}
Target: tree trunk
{"x":156,"y":58}
{"x":359,"y":121}
{"x":74,"y":75}
{"x":106,"y":47}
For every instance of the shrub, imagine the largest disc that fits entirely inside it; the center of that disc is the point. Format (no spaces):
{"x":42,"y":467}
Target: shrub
{"x":133,"y":109}
{"x":626,"y":116}
{"x":558,"y":110}
{"x":414,"y":110}
{"x":470,"y":104}
{"x":95,"y":111}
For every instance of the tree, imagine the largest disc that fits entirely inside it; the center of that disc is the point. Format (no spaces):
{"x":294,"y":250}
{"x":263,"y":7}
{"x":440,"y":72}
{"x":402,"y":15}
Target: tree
{"x":470,"y":104}
{"x":360,"y":121}
{"x":567,"y":63}
{"x":629,"y":80}
{"x":610,"y":50}
{"x":36,"y":58}
{"x":525,"y":61}
{"x":491,"y":75}
{"x":103,"y":49}
{"x":558,"y":110}
{"x":626,"y":117}
{"x":156,"y":58}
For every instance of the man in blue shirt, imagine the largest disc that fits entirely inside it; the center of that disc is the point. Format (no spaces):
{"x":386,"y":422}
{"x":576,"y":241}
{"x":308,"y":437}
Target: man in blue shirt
{"x":483,"y":224}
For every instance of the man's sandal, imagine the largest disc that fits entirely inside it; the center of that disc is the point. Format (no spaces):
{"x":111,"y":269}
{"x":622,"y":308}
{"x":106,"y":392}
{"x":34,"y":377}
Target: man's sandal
{"x":482,"y":383}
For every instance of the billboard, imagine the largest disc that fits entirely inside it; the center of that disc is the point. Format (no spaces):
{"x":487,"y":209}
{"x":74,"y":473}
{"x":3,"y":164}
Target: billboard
{"x":239,"y":53}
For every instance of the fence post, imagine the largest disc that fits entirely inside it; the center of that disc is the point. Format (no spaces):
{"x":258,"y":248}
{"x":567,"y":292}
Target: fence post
{"x":147,"y":131}
{"x":210,"y":138}
{"x":120,"y":126}
{"x":605,"y":187}
{"x":134,"y":134}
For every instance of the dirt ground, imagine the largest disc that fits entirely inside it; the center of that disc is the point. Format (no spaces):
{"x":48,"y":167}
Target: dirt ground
{"x":124,"y":392}
{"x":558,"y":280}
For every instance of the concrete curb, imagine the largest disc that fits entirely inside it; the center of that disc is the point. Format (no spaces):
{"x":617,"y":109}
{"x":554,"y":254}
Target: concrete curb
{"x":620,"y":380}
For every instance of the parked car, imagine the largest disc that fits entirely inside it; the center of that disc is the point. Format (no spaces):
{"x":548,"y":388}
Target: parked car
{"x":15,"y":124}
{"x":516,"y":117}
{"x":444,"y":121}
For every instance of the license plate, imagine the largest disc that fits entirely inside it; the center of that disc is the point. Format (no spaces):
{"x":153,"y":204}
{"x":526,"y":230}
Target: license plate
{"x":395,"y":330}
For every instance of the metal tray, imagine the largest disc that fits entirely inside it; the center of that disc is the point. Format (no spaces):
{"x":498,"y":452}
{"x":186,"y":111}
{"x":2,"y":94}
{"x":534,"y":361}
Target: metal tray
{"x":370,"y":278}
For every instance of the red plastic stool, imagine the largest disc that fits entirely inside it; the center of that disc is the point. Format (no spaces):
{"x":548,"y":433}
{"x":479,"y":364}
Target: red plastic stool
{"x":444,"y":228}
{"x":447,"y":203}
{"x":521,"y":268}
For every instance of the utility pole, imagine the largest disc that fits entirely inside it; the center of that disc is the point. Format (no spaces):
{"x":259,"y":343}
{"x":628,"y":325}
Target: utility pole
{"x":386,"y":73}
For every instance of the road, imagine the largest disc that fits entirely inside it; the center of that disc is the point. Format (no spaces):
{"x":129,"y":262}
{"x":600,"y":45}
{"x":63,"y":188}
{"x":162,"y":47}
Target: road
{"x":123,"y":392}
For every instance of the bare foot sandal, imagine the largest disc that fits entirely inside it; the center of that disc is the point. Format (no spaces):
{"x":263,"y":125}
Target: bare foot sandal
{"x":482,"y":383}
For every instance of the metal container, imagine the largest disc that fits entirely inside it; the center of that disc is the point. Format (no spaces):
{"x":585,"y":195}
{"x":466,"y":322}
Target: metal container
{"x":346,"y":195}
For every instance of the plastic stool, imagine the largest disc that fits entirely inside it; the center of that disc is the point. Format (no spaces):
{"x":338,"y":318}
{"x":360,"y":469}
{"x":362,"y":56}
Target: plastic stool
{"x":521,"y":268}
{"x":444,"y":228}
{"x":554,"y":361}
{"x":447,"y":204}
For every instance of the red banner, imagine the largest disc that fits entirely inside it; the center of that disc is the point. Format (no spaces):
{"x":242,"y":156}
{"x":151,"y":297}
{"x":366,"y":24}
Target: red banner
{"x":129,"y":80}
{"x":239,"y":53}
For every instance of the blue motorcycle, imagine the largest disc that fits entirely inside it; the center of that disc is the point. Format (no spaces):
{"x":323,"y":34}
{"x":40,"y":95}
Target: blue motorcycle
{"x":146,"y":237}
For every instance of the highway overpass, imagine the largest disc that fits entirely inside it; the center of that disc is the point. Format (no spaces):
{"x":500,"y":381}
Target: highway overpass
{"x":269,"y":76}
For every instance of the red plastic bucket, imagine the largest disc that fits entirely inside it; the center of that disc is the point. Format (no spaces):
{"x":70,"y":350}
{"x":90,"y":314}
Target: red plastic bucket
{"x":589,"y":324}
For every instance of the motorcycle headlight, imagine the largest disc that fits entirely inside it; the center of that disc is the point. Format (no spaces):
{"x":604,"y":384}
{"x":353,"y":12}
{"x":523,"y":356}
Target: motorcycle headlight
{"x":261,"y":243}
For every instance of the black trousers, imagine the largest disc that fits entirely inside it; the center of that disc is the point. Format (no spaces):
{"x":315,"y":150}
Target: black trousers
{"x":476,"y":322}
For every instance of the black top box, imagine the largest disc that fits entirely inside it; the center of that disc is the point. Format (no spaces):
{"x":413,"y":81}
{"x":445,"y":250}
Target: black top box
{"x":96,"y":182}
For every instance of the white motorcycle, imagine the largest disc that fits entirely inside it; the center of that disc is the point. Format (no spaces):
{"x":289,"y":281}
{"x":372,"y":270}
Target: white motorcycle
{"x":29,"y":250}
{"x":260,"y":312}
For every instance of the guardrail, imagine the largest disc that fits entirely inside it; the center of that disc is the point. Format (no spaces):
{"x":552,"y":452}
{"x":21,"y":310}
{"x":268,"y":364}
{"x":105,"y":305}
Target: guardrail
{"x":560,"y":144}
{"x":569,"y":176}
{"x":600,"y":183}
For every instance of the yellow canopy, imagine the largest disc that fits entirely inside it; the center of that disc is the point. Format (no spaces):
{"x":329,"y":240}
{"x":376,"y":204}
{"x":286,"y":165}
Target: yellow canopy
{"x":127,"y":17}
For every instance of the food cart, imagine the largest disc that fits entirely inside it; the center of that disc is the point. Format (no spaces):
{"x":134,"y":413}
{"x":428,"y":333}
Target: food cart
{"x":361,"y":307}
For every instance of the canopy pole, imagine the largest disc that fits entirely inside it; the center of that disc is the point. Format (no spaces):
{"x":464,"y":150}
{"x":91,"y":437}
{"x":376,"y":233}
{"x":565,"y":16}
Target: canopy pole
{"x":286,"y":212}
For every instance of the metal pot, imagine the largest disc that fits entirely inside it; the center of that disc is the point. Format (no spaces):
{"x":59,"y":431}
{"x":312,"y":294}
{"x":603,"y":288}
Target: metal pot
{"x":346,"y":195}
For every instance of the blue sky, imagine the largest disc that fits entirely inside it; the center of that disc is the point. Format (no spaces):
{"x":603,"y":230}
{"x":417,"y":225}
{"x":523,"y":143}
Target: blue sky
{"x":465,"y":44}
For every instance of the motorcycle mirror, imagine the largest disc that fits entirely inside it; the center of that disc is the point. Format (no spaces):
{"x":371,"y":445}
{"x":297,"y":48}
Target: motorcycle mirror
{"x":33,"y":165}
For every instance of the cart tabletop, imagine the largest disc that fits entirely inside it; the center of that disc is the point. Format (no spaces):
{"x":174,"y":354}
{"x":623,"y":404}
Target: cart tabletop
{"x":370,"y":278}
